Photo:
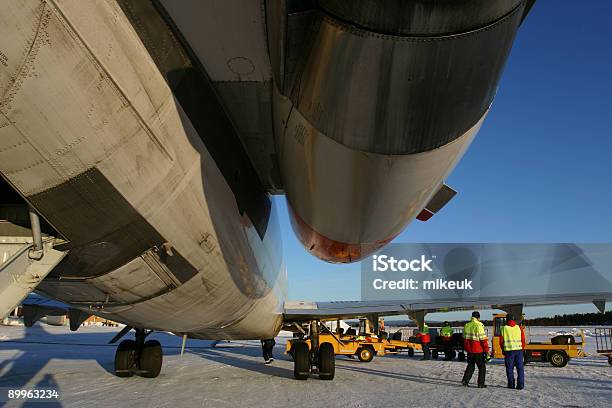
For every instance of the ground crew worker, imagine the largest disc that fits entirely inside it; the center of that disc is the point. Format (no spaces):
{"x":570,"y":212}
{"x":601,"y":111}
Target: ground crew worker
{"x":423,"y":335}
{"x":512,"y":343}
{"x":446,"y":332}
{"x":267,"y":346}
{"x":476,"y":345}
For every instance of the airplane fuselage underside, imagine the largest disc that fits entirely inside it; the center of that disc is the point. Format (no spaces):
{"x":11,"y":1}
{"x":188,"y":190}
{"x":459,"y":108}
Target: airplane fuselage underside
{"x":150,"y":134}
{"x":92,"y":136}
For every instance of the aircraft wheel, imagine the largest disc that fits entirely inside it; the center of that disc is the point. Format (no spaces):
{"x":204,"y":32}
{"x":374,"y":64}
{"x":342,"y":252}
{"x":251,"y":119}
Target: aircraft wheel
{"x":365,"y":354}
{"x":125,"y":358}
{"x":327,"y":362}
{"x":151,"y":358}
{"x":434,"y":354}
{"x":461,"y":356}
{"x":301,"y":361}
{"x":558,"y":358}
{"x":410,"y":352}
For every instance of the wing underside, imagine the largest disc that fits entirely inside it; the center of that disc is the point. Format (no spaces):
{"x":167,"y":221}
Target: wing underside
{"x":304,"y":311}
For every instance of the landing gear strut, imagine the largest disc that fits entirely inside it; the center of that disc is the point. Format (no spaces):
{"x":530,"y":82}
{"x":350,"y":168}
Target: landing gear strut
{"x":316,"y":358}
{"x":139,"y":356}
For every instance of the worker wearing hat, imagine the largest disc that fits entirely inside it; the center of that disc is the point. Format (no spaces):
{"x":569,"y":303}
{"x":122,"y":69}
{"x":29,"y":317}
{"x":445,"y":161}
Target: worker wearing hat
{"x":476,"y":345}
{"x":512,"y":343}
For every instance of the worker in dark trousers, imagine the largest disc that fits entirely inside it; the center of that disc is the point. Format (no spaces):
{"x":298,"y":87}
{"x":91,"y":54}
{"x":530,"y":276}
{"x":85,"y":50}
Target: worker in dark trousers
{"x":446,"y":333}
{"x":476,"y":345}
{"x":425,"y":338}
{"x":512,"y":343}
{"x":267,"y":346}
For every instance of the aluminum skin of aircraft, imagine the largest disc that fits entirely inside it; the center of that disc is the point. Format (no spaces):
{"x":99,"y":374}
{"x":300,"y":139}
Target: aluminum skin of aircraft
{"x":149,"y":136}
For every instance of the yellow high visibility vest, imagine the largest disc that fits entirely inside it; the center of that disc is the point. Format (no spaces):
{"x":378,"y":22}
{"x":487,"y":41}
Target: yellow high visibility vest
{"x":474,"y":330}
{"x":425,"y":329}
{"x":446,"y":331}
{"x":512,"y":338}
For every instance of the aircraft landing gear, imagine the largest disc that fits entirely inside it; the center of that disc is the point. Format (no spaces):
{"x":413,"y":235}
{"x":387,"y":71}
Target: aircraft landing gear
{"x":139,"y":356}
{"x":327,"y":362}
{"x":316,"y":358}
{"x":125,"y":358}
{"x":301,"y":361}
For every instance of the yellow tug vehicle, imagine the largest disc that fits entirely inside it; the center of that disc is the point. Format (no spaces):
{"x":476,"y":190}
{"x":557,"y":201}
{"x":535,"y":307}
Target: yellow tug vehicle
{"x":363,"y":344}
{"x":558,"y":351}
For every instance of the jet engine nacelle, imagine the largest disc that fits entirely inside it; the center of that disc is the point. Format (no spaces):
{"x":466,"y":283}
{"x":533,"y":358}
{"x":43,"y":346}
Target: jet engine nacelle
{"x":385,"y":100}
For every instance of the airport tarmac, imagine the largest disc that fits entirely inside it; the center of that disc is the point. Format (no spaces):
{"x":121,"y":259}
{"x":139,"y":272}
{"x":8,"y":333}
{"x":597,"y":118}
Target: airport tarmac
{"x":79,"y":365}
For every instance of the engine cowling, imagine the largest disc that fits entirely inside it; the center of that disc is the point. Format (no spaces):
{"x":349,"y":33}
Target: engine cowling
{"x":386,"y":99}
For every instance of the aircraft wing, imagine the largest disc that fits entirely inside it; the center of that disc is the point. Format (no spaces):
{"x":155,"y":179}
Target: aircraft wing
{"x":303,"y":311}
{"x":500,"y":276}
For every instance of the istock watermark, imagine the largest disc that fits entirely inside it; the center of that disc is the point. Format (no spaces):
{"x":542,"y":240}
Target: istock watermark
{"x":407,"y":271}
{"x":383,"y":263}
{"x":499,"y":272}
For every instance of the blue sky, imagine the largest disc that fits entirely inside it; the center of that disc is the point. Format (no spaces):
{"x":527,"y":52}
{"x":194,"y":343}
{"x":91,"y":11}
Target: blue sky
{"x":539,"y":170}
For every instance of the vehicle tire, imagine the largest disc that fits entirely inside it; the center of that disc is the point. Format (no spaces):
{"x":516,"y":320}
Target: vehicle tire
{"x":558,"y":358}
{"x":365,"y":354}
{"x":610,"y":360}
{"x":327,"y":362}
{"x":301,"y":361}
{"x":125,"y":357}
{"x":151,"y":358}
{"x":410,"y":352}
{"x":461,"y":356}
{"x":563,"y":339}
{"x":434,"y":354}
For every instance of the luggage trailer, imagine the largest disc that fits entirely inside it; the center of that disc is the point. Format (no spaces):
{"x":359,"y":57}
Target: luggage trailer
{"x":603,"y":339}
{"x":558,"y":351}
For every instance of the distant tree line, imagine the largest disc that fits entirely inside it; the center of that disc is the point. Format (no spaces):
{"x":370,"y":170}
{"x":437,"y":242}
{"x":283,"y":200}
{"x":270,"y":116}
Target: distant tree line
{"x":575,"y":319}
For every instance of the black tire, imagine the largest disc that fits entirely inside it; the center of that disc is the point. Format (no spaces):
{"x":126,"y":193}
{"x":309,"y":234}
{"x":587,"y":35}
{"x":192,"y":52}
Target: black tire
{"x":301,"y":361}
{"x":151,"y":359}
{"x":434,"y":354}
{"x":449,"y":355}
{"x":410,"y":352}
{"x":610,"y":360}
{"x":125,"y":358}
{"x":558,"y":358}
{"x":327,"y":362}
{"x":461,"y":356}
{"x":563,"y":339}
{"x":365,"y":354}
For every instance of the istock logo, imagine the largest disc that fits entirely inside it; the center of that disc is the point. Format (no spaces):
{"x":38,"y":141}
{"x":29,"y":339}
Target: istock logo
{"x":382,"y":263}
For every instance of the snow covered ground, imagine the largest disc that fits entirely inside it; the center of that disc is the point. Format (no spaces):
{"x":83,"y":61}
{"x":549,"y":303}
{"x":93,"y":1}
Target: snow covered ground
{"x":79,"y":365}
